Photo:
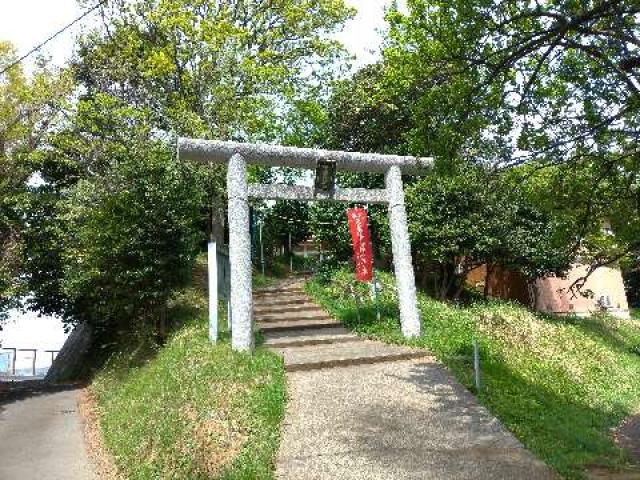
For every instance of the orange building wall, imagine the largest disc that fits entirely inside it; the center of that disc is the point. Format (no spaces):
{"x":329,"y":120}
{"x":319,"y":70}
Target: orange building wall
{"x":503,"y":283}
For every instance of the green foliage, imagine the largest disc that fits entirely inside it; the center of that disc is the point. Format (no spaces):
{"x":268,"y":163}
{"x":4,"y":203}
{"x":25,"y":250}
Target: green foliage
{"x":190,"y":409}
{"x":559,"y":384}
{"x":116,"y":226}
{"x":222,"y":70}
{"x":464,"y":214}
{"x":131,"y":237}
{"x":552,"y":85}
{"x":282,"y":219}
{"x":367,"y":114}
{"x":631,"y":275}
{"x":29,"y":107}
{"x":463,"y":218}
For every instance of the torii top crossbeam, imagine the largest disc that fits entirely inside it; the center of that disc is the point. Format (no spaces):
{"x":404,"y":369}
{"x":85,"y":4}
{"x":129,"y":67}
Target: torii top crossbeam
{"x":213,"y":151}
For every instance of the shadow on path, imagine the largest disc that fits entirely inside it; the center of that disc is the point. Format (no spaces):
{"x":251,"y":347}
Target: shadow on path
{"x":16,"y":391}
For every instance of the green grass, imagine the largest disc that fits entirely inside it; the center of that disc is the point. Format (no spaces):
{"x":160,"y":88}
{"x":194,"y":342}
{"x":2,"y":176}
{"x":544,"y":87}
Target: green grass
{"x":189,"y":409}
{"x":559,"y":384}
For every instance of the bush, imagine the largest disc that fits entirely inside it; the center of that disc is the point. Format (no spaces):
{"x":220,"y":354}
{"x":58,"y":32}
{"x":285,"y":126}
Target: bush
{"x":132,"y":238}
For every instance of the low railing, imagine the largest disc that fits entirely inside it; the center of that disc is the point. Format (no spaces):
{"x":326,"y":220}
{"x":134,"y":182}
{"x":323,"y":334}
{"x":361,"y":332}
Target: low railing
{"x":9,"y":360}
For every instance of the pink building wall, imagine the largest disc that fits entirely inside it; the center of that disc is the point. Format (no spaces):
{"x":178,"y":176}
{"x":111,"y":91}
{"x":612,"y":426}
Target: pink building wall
{"x":605,"y":286}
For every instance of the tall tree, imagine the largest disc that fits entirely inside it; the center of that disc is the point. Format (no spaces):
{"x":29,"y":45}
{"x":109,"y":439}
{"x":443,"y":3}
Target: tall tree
{"x":29,"y":109}
{"x":462,"y":218}
{"x":545,"y":83}
{"x":114,"y":228}
{"x":221,"y":69}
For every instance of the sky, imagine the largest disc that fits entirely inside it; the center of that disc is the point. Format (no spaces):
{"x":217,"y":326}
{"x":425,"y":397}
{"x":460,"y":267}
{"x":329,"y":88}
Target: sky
{"x":26,"y":23}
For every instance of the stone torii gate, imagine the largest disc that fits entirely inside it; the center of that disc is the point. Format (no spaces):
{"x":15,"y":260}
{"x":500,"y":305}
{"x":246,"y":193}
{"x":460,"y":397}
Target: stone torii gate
{"x":325,"y":163}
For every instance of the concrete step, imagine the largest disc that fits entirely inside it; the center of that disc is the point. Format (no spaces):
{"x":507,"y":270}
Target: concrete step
{"x":285,"y":308}
{"x":299,"y":338}
{"x":320,"y":316}
{"x":280,"y":301}
{"x":292,"y":316}
{"x":269,"y":292}
{"x":286,"y":325}
{"x":314,"y":357}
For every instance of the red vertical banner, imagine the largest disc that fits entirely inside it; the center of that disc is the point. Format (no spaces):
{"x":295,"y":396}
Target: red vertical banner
{"x":359,"y":227}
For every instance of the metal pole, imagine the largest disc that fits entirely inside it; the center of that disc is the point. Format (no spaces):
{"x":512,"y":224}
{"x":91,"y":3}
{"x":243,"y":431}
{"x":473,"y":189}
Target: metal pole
{"x":290,"y":255}
{"x":213,"y":290}
{"x":53,"y":353}
{"x":13,"y":362}
{"x":240,"y":255}
{"x":261,"y":248}
{"x":33,"y":365}
{"x":476,"y":363}
{"x":405,"y":280}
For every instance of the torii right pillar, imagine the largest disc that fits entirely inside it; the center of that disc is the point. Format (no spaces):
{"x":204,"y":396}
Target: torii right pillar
{"x":401,"y":246}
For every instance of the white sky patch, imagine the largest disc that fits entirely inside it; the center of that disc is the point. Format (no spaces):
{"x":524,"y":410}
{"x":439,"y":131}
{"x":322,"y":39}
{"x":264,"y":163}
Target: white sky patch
{"x":19,"y":332}
{"x":362,"y":35}
{"x":26,"y":23}
{"x":30,"y":331}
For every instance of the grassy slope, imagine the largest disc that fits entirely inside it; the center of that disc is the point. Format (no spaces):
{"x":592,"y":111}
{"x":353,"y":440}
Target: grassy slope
{"x":560,"y":384}
{"x":190,"y":410}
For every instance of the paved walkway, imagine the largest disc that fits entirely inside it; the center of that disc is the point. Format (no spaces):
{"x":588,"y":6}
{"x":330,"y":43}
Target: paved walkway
{"x":41,"y":435}
{"x":366,"y":410}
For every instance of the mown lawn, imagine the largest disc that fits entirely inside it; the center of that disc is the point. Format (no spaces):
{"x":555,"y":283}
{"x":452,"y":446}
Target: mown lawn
{"x":188,"y":409}
{"x":559,"y":384}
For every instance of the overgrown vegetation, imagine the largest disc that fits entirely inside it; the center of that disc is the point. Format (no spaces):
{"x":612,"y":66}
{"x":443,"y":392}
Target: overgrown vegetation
{"x":560,"y":384}
{"x":529,"y":108}
{"x":189,"y":409}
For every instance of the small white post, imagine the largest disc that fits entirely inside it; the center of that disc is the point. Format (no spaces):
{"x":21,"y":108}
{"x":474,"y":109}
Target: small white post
{"x":212,"y":265}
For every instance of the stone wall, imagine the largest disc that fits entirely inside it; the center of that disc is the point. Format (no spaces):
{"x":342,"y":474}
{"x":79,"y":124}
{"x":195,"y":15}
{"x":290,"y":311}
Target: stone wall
{"x":69,"y":363}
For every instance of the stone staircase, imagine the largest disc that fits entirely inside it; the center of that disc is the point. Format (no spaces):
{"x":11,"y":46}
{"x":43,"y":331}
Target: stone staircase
{"x":309,"y":338}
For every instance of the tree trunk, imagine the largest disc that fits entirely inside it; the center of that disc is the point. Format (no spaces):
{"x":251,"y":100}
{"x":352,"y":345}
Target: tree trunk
{"x":487,"y":279}
{"x":458,"y":292}
{"x":444,"y":282}
{"x":533,"y":293}
{"x":162,"y":323}
{"x":424,"y":278}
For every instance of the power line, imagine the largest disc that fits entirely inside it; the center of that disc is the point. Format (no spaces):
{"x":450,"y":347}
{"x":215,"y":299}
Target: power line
{"x":62,"y":30}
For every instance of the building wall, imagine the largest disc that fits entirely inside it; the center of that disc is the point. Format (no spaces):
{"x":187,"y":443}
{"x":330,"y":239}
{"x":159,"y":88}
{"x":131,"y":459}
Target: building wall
{"x":604,"y":284}
{"x":552,"y":294}
{"x":503,"y":283}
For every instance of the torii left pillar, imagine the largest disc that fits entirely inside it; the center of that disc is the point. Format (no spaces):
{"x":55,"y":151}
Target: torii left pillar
{"x":240,"y":255}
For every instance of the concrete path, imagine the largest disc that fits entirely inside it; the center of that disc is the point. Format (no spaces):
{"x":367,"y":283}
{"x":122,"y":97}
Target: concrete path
{"x":366,"y":410}
{"x":41,"y":435}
